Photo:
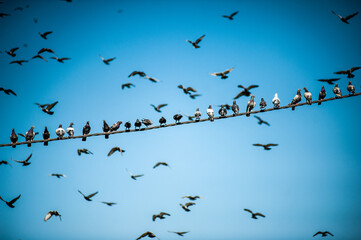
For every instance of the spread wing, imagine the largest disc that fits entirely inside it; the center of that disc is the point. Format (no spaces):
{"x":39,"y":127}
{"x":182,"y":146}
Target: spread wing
{"x":113,"y":150}
{"x":15,"y":199}
{"x":341,"y":72}
{"x":92,"y":195}
{"x":260,"y":214}
{"x":141,"y":175}
{"x":27,"y":159}
{"x":143,"y":235}
{"x":271,"y":145}
{"x":336,"y":14}
{"x":50,"y":106}
{"x":21,"y":135}
{"x":351,"y":16}
{"x":258,"y":118}
{"x":81,"y":193}
{"x":216,"y":74}
{"x":252,"y":86}
{"x":329,"y":233}
{"x":199,"y":39}
{"x":317,"y":233}
{"x":164,"y":213}
{"x":189,"y":204}
{"x":12,"y":92}
{"x":162,"y":105}
{"x":157,"y":164}
{"x":233,"y":14}
{"x":354,"y":69}
{"x":239,"y":95}
{"x":228,"y":70}
{"x":247,"y":210}
{"x":47,"y":33}
{"x":190,"y":89}
{"x":48,"y":216}
{"x":258,"y":145}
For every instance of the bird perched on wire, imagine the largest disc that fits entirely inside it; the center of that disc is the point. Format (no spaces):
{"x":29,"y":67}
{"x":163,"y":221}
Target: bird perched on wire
{"x":348,"y":72}
{"x":46,"y":50}
{"x":186,"y":206}
{"x":46,"y":136}
{"x":147,"y":122}
{"x":245,"y":92}
{"x":114,"y":149}
{"x":254,"y":215}
{"x":43,"y":35}
{"x":10,"y":203}
{"x":323,"y":234}
{"x":24,"y":162}
{"x":157,"y":108}
{"x":160,"y":215}
{"x":127,"y":85}
{"x":46,"y":108}
{"x":39,"y":56}
{"x":86,"y":130}
{"x":262,"y":104}
{"x":308,"y":96}
{"x":60,"y":131}
{"x":20,"y":62}
{"x":329,"y":81}
{"x":84,"y":150}
{"x":230,"y":17}
{"x":115,"y":126}
{"x":106,"y":61}
{"x":260,"y":121}
{"x":58,"y":175}
{"x":195,"y":43}
{"x":7,"y":91}
{"x":276,"y":101}
{"x":147,"y":234}
{"x":106,"y":129}
{"x":50,"y":214}
{"x":345,"y":19}
{"x":70,"y":130}
{"x":109,"y":203}
{"x":210,"y":113}
{"x":337,"y":91}
{"x":321,"y":95}
{"x":193,"y":198}
{"x":140,"y":73}
{"x":350,"y":88}
{"x":160,"y":163}
{"x":61,"y":60}
{"x":235,"y":108}
{"x":265,"y":146}
{"x":11,"y":52}
{"x":162,"y":121}
{"x":250,"y":105}
{"x":127,"y":126}
{"x":88,"y":198}
{"x":134,"y":176}
{"x":13,"y":138}
{"x":5,"y":163}
{"x":137,"y":124}
{"x":197,"y":115}
{"x":223,"y":74}
{"x":187,"y":90}
{"x":177,"y":117}
{"x":29,"y":135}
{"x":222,"y":111}
{"x":296,"y":99}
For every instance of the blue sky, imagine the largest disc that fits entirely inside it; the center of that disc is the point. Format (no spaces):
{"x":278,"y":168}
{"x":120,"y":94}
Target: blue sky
{"x":310,"y":182}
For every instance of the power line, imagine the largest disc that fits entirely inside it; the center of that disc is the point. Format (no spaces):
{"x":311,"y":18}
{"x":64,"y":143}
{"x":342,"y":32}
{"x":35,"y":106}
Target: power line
{"x":176,"y":124}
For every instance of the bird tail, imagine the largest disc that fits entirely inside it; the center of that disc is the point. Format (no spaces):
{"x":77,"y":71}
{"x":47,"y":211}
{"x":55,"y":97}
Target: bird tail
{"x":106,"y":136}
{"x":29,"y":144}
{"x":14,"y":146}
{"x":247,"y":115}
{"x":293,"y":108}
{"x":46,"y":143}
{"x":83,"y":139}
{"x":319,"y":103}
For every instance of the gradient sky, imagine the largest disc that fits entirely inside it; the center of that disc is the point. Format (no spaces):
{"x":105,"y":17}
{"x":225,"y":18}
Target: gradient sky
{"x":310,"y":182}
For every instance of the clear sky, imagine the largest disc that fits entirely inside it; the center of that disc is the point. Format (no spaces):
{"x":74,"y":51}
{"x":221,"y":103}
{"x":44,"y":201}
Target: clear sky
{"x":310,"y":182}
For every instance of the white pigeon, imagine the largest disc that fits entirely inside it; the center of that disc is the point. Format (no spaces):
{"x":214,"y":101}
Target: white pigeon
{"x":308,"y":96}
{"x":210,"y":113}
{"x":198,"y":115}
{"x":276,"y":101}
{"x":60,"y":132}
{"x":70,"y":130}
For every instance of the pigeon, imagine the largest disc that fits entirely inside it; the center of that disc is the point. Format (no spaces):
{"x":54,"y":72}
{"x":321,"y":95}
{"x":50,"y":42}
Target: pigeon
{"x":20,"y":62}
{"x":109,"y":203}
{"x":10,"y":203}
{"x":195,"y":44}
{"x":345,"y":19}
{"x":296,"y":99}
{"x":13,"y":138}
{"x":350,"y":88}
{"x":46,"y":50}
{"x":322,"y":94}
{"x":39,"y":56}
{"x":222,"y":111}
{"x":61,"y":60}
{"x":147,"y":234}
{"x":187,"y":90}
{"x":226,"y":106}
{"x":337,"y":91}
{"x":162,"y":121}
{"x":106,"y":129}
{"x":140,"y":73}
{"x":86,"y":130}
{"x":254,"y":215}
{"x":24,"y":162}
{"x":46,"y":136}
{"x":5,"y":163}
{"x":60,"y":131}
{"x":230,"y":17}
{"x":276,"y":101}
{"x":158,"y":107}
{"x":185,"y":206}
{"x":323,"y":234}
{"x":197,"y":115}
{"x":245,"y":92}
{"x":260,"y":121}
{"x":127,"y":85}
{"x":134,"y":176}
{"x":88,"y":198}
{"x":179,"y":233}
{"x":348,"y":72}
{"x":8,"y":91}
{"x":70,"y":130}
{"x":12,"y":52}
{"x":177,"y":117}
{"x":262,"y":104}
{"x":160,"y":215}
{"x":106,"y":61}
{"x":29,"y":135}
{"x":192,"y":198}
{"x":115,"y":126}
{"x":223,"y":74}
{"x":308,"y":96}
{"x":193,"y":96}
{"x":329,"y":81}
{"x":127,"y":126}
{"x":160,"y":163}
{"x":84,"y":150}
{"x":210,"y":113}
{"x":43,"y":35}
{"x":265,"y":146}
{"x":50,"y":214}
{"x":58,"y":175}
{"x":152,"y":79}
{"x":4,"y":15}
{"x":250,"y":105}
{"x":147,"y":122}
{"x":46,"y":108}
{"x":137,"y":124}
{"x":235,"y":108}
{"x":114,"y":149}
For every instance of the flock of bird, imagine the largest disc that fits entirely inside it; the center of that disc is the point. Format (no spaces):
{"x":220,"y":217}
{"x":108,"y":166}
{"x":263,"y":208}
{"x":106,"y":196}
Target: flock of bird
{"x":189,"y":91}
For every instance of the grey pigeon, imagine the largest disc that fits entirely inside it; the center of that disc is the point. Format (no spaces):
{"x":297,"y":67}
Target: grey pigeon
{"x":137,"y":124}
{"x":70,"y":130}
{"x":147,"y":122}
{"x":186,"y":206}
{"x":195,"y":43}
{"x":222,"y":111}
{"x":276,"y":101}
{"x":47,"y":107}
{"x":106,"y":128}
{"x":254,"y":215}
{"x":350,"y":88}
{"x":88,"y":198}
{"x":296,"y":99}
{"x":308,"y":96}
{"x":197,"y":115}
{"x":29,"y":135}
{"x":210,"y":113}
{"x":250,"y":105}
{"x":177,"y":117}
{"x":230,"y":17}
{"x":10,"y":203}
{"x":127,"y":126}
{"x":60,"y":131}
{"x":162,"y":121}
{"x":46,"y":136}
{"x":345,"y":19}
{"x":13,"y":138}
{"x":323,"y":234}
{"x":348,"y":72}
{"x":223,"y":74}
{"x":322,"y":94}
{"x":160,"y":215}
{"x":262,"y":104}
{"x":337,"y":91}
{"x":115,"y":126}
{"x":86,"y":130}
{"x":50,"y":214}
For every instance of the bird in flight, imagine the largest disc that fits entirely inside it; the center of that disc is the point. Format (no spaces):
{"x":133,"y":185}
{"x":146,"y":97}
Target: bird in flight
{"x":5,"y":162}
{"x":265,"y":146}
{"x":84,"y":150}
{"x":106,"y":61}
{"x":223,"y":74}
{"x":11,"y":52}
{"x":186,"y":206}
{"x":230,"y":17}
{"x":114,"y":149}
{"x":39,"y":56}
{"x":147,"y":234}
{"x":323,"y":234}
{"x":61,"y":60}
{"x":24,"y":162}
{"x":260,"y":121}
{"x":254,"y":215}
{"x":160,"y":216}
{"x":8,"y":91}
{"x":43,"y":35}
{"x":193,"y":198}
{"x":20,"y":62}
{"x":187,"y":90}
{"x":195,"y":44}
{"x":127,"y":85}
{"x":58,"y":175}
{"x":141,"y":74}
{"x":161,"y":163}
{"x":193,"y":96}
{"x":134,"y":176}
{"x":46,"y":108}
{"x":158,"y":107}
{"x":246,"y":91}
{"x":50,"y":214}
{"x":179,"y":233}
{"x":152,"y":79}
{"x":88,"y":198}
{"x":45,"y":50}
{"x":348,"y":72}
{"x":109,"y":203}
{"x":10,"y":203}
{"x":345,"y":19}
{"x":329,"y":81}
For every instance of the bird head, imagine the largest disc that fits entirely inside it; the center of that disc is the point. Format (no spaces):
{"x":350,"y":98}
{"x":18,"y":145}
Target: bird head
{"x":336,"y":85}
{"x":71,"y":124}
{"x":60,"y":125}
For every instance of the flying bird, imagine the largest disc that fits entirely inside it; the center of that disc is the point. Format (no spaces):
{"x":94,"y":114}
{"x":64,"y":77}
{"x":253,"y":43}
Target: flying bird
{"x":114,"y":149}
{"x":58,"y":175}
{"x":13,"y":138}
{"x":46,"y":108}
{"x":60,"y":131}
{"x":265,"y":146}
{"x":177,"y":117}
{"x":43,"y":35}
{"x":246,"y":91}
{"x":323,"y":234}
{"x":223,"y":74}
{"x":186,"y":206}
{"x":84,"y":150}
{"x":134,"y":176}
{"x":4,"y":15}
{"x":348,"y":72}
{"x":109,"y":203}
{"x":11,"y":52}
{"x":330,"y":81}
{"x":187,"y":90}
{"x":7,"y":91}
{"x":345,"y":19}
{"x":106,"y":61}
{"x":179,"y":233}
{"x":350,"y":88}
{"x":10,"y":203}
{"x":20,"y":62}
{"x":160,"y":163}
{"x":160,"y":216}
{"x":254,"y":215}
{"x":210,"y":113}
{"x":152,"y":79}
{"x":158,"y":107}
{"x":195,"y":44}
{"x":61,"y":60}
{"x":70,"y":130}
{"x":337,"y":91}
{"x":24,"y":162}
{"x":193,"y":198}
{"x":50,"y":214}
{"x":162,"y":121}
{"x":308,"y":96}
{"x":46,"y":50}
{"x":46,"y":136}
{"x":86,"y":130}
{"x":147,"y":234}
{"x":193,"y":96}
{"x":230,"y":17}
{"x":141,"y":74}
{"x":190,"y":118}
{"x":260,"y":121}
{"x":127,"y":85}
{"x":296,"y":99}
{"x":39,"y":56}
{"x":322,"y":94}
{"x":250,"y":105}
{"x":88,"y":198}
{"x":5,"y":163}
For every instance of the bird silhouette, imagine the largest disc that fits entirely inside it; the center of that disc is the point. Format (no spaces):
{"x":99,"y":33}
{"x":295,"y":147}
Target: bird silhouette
{"x":140,"y":73}
{"x":322,"y":94}
{"x":348,"y":72}
{"x":323,"y":234}
{"x":345,"y":19}
{"x":5,"y":163}
{"x":265,"y":146}
{"x":187,"y":90}
{"x":106,"y":61}
{"x":260,"y":121}
{"x":127,"y":126}
{"x":46,"y":108}
{"x":134,"y":176}
{"x":147,"y":234}
{"x":39,"y":56}
{"x":160,"y":215}
{"x":109,"y":203}
{"x":179,"y":233}
{"x":230,"y":17}
{"x":46,"y":136}
{"x":162,"y":121}
{"x":254,"y":215}
{"x":8,"y":91}
{"x":193,"y":96}
{"x":223,"y":74}
{"x":186,"y":206}
{"x":61,"y":60}
{"x":43,"y":35}
{"x":84,"y":150}
{"x":245,"y":92}
{"x":114,"y":149}
{"x":86,"y":130}
{"x":58,"y":175}
{"x":88,"y":198}
{"x":50,"y":214}
{"x":193,"y":198}
{"x":195,"y":43}
{"x":24,"y":162}
{"x":127,"y":85}
{"x":11,"y":52}
{"x":13,"y":138}
{"x":4,"y":15}
{"x":330,"y":81}
{"x":157,"y":108}
{"x":152,"y":79}
{"x":160,"y":163}
{"x":137,"y":124}
{"x":20,"y":62}
{"x":46,"y":50}
{"x":106,"y":128}
{"x":10,"y":203}
{"x":177,"y":117}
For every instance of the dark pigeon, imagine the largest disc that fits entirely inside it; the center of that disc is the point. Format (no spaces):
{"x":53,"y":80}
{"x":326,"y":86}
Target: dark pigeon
{"x":137,"y":124}
{"x":235,"y":108}
{"x":345,"y":19}
{"x":47,"y":107}
{"x":24,"y":162}
{"x":177,"y":117}
{"x":13,"y":138}
{"x":8,"y":91}
{"x":12,"y":52}
{"x":323,"y":234}
{"x":106,"y":129}
{"x":322,"y":94}
{"x":10,"y":203}
{"x":230,"y":17}
{"x":115,"y":126}
{"x":46,"y":136}
{"x":162,"y":121}
{"x":350,"y":88}
{"x":86,"y":130}
{"x":195,"y":44}
{"x":127,"y":126}
{"x":254,"y":215}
